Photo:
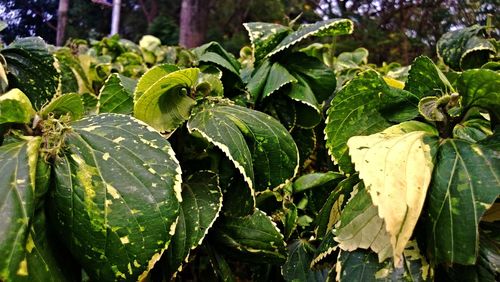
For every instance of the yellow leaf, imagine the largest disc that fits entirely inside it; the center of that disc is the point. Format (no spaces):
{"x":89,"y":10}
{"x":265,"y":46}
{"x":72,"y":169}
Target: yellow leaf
{"x":396,"y":167}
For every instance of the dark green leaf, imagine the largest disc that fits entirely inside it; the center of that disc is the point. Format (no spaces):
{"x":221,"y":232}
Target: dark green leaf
{"x":360,"y":265}
{"x":252,"y":238}
{"x":480,"y":88}
{"x":317,"y":75}
{"x":425,"y":79}
{"x":354,"y":111}
{"x":254,"y":141}
{"x":332,"y":27}
{"x":73,"y":76}
{"x":307,"y":106}
{"x":31,"y":69}
{"x":214,"y":53}
{"x":289,"y":219}
{"x":465,"y":48}
{"x":472,"y":130}
{"x":201,"y":204}
{"x":331,"y":210}
{"x":278,"y":77}
{"x":116,"y":194}
{"x":44,"y":259}
{"x":258,"y":80}
{"x":487,"y":267}
{"x":116,"y":96}
{"x":398,"y":105}
{"x":297,"y":266}
{"x":220,"y":265}
{"x":465,"y":183}
{"x":70,"y":103}
{"x":326,"y":249}
{"x":265,"y":37}
{"x":18,"y":163}
{"x":312,"y":180}
{"x":306,"y":141}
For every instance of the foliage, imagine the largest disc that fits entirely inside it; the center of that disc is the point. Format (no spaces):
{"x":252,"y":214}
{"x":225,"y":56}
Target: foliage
{"x":148,"y":162}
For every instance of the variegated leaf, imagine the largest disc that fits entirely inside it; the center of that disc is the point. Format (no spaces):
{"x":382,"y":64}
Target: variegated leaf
{"x":200,"y":207}
{"x":116,"y":194}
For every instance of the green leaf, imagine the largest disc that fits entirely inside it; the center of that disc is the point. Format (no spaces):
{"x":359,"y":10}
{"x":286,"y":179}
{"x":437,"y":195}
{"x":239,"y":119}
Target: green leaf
{"x":289,"y":219}
{"x":487,"y":267}
{"x":89,"y":102}
{"x":265,"y":37}
{"x":312,"y":180}
{"x":326,"y":249}
{"x":116,"y":194}
{"x":465,"y":48}
{"x":165,"y":105}
{"x":278,"y":77}
{"x":319,"y":77}
{"x":44,"y":259}
{"x":297,"y":265}
{"x":151,"y":77}
{"x":70,"y":103}
{"x":480,"y":88}
{"x":15,"y":107}
{"x":201,"y":204}
{"x":305,"y":140}
{"x":349,"y":60}
{"x":73,"y":76}
{"x":425,"y":79}
{"x":396,"y":167}
{"x":116,"y":96}
{"x":252,"y":238}
{"x":258,"y":80}
{"x":360,"y":265}
{"x":361,"y":227}
{"x":31,"y":69}
{"x":330,"y":213}
{"x":429,"y":108}
{"x":214,"y":53}
{"x":332,"y":27}
{"x":472,"y":130}
{"x":398,"y":105}
{"x":17,"y":193}
{"x":220,"y":265}
{"x":307,"y":106}
{"x":259,"y":146}
{"x":465,"y":184}
{"x":354,"y":111}
{"x":4,"y":81}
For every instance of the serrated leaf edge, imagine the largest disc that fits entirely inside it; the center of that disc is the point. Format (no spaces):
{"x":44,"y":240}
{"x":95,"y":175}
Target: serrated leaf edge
{"x":331,"y":25}
{"x":226,"y":151}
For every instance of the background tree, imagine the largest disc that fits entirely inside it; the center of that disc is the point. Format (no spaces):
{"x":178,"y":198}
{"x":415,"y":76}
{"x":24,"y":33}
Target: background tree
{"x":395,"y":30}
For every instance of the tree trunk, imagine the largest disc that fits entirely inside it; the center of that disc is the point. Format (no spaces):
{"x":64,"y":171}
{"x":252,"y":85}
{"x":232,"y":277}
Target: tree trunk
{"x":193,"y":22}
{"x":62,"y":19}
{"x":115,"y":17}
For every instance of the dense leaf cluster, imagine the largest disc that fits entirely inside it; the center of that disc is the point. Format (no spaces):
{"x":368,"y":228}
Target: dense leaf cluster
{"x":129,"y":162}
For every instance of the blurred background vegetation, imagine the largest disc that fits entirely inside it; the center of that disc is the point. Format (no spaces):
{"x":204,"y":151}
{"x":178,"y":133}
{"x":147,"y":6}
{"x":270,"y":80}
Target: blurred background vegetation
{"x":393,"y":30}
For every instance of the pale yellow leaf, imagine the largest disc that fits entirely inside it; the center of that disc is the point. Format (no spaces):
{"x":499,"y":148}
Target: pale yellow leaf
{"x":396,"y":167}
